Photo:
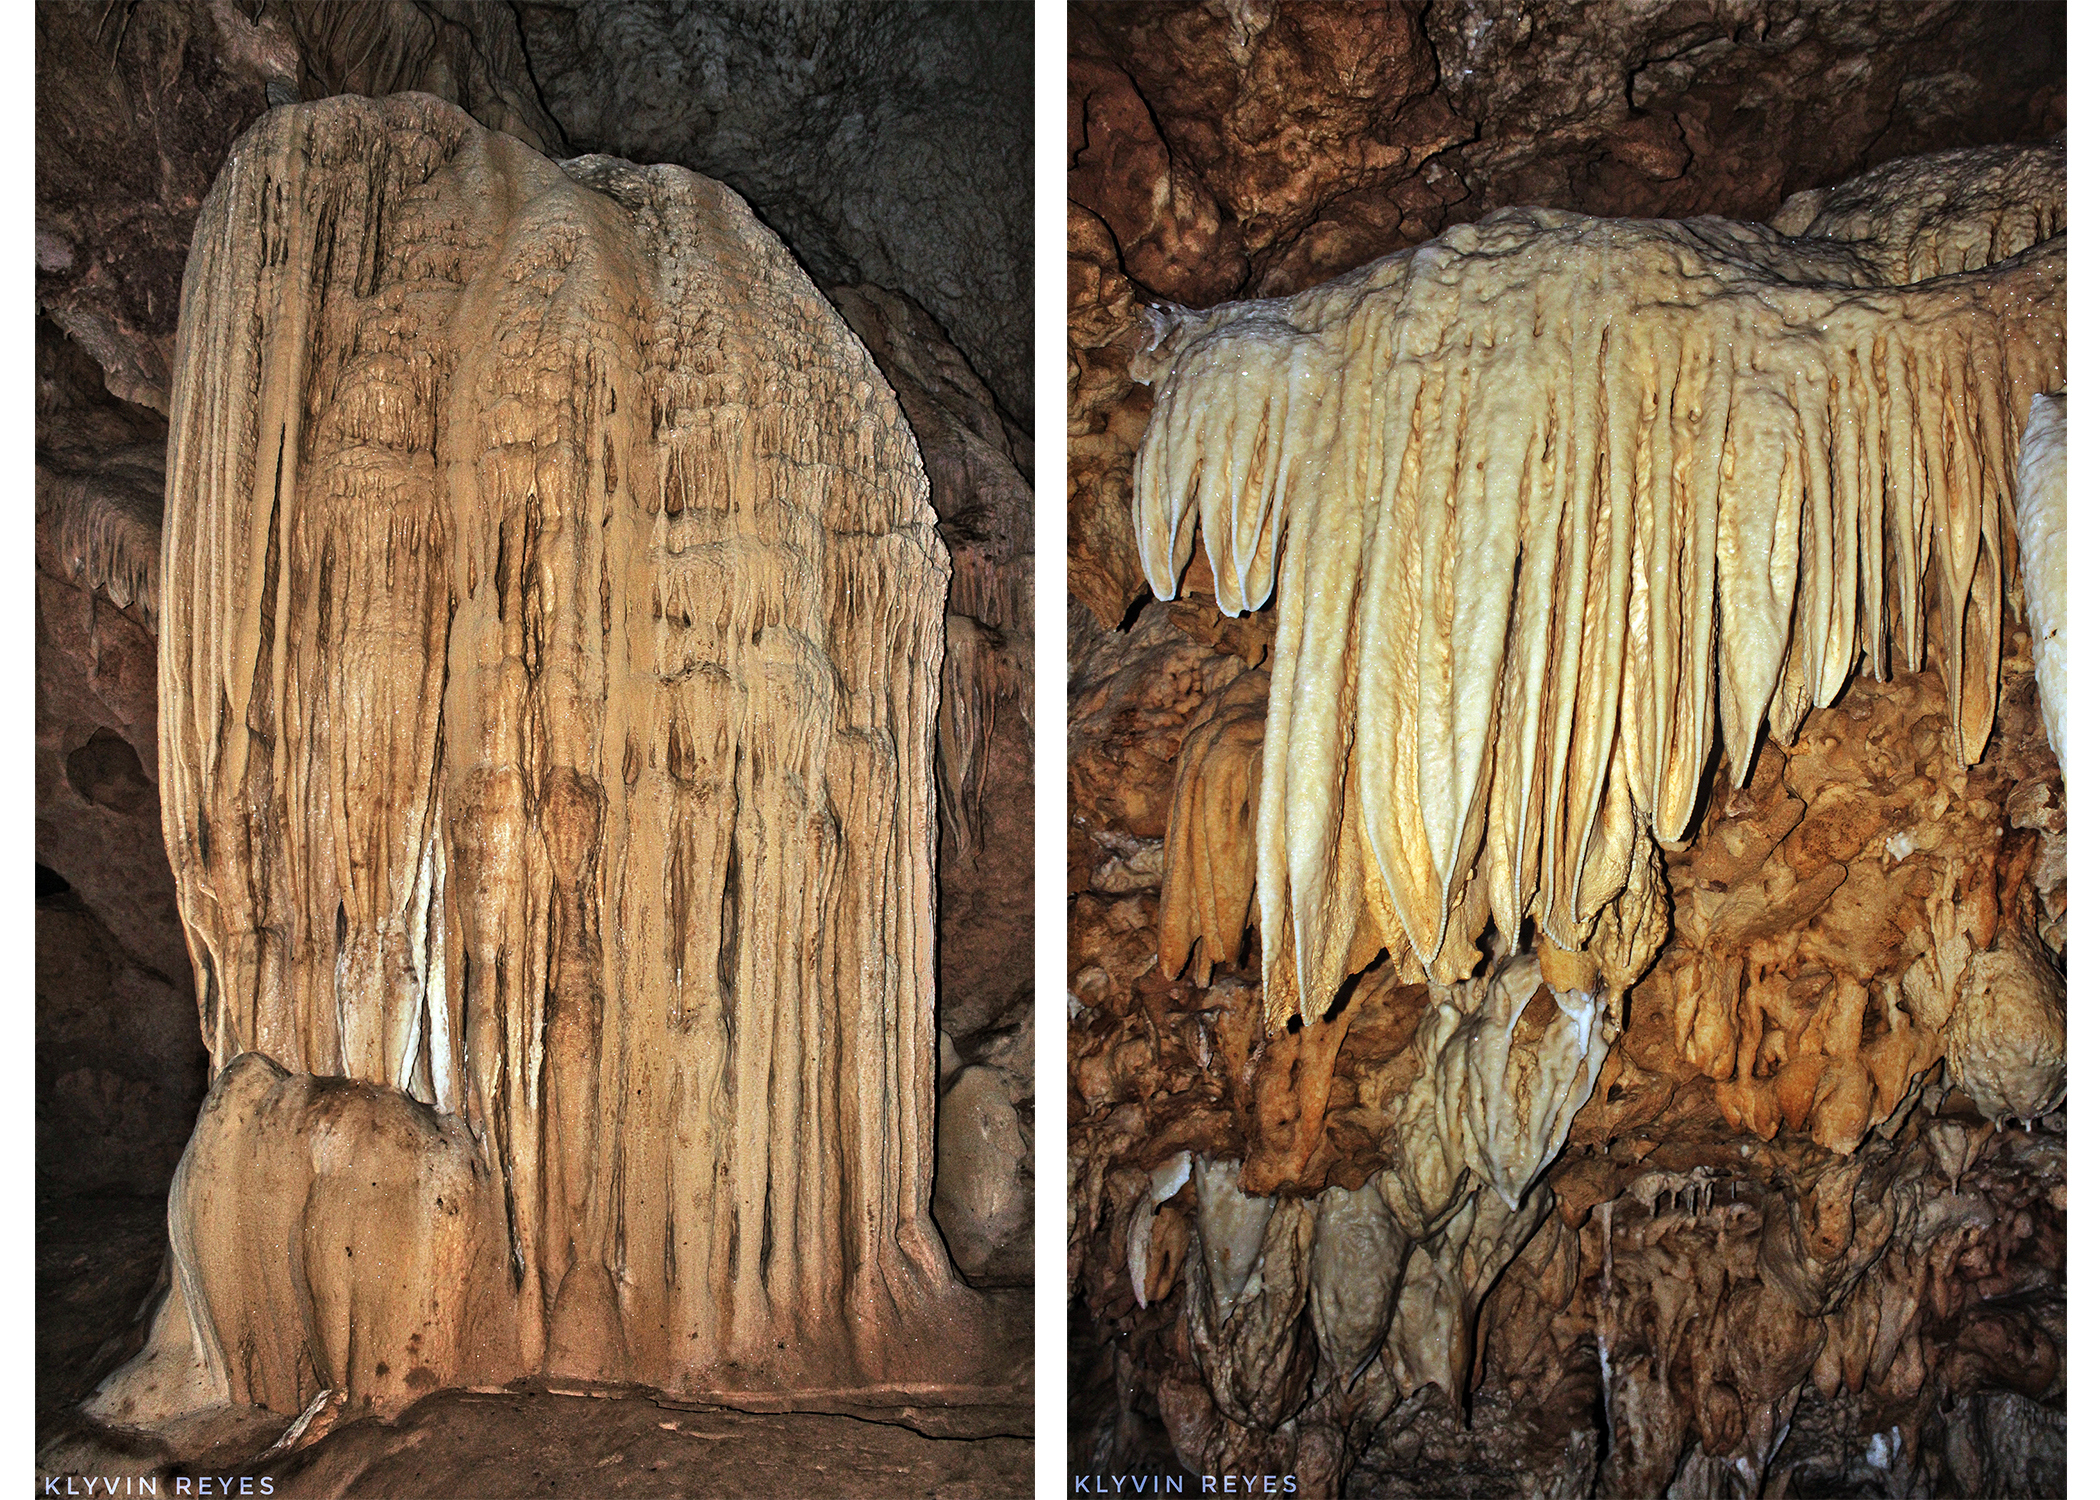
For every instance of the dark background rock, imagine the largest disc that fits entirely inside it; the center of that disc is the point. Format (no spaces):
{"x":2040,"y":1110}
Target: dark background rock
{"x":886,"y":143}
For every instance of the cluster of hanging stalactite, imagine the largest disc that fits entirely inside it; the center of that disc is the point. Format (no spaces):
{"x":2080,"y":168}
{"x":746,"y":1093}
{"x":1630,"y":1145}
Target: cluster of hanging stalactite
{"x":1550,"y":504}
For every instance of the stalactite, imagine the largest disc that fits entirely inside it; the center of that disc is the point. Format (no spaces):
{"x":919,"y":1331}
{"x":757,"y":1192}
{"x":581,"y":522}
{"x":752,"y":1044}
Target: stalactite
{"x":2044,"y":529}
{"x":105,"y":524}
{"x":1206,"y":899}
{"x":978,"y":675}
{"x":1549,"y":505}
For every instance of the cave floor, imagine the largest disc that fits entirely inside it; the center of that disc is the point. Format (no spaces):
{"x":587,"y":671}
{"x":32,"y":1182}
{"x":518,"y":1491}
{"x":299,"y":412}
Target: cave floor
{"x":97,"y":1260}
{"x":519,"y":1442}
{"x":535,"y":1442}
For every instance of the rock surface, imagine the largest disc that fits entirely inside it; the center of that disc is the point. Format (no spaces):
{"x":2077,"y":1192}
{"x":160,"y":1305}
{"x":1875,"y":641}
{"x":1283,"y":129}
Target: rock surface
{"x":1774,"y":1238}
{"x":1221,"y":151}
{"x":120,"y":1070}
{"x":887,"y":143}
{"x":1498,"y":662}
{"x":551,"y":603}
{"x":176,"y":81}
{"x":475,"y":1444}
{"x":1831,"y":1272}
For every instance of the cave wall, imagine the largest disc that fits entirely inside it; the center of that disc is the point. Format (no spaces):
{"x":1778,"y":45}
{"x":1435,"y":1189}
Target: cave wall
{"x":1641,"y":1323}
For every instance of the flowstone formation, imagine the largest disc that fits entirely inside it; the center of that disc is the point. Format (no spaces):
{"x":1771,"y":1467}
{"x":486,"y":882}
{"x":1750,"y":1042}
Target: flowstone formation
{"x":550,"y":644}
{"x":1601,"y":1017}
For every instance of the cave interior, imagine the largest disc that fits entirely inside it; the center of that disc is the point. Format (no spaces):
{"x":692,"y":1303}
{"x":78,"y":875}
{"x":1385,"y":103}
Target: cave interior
{"x":886,"y":146}
{"x":1684,"y":1155}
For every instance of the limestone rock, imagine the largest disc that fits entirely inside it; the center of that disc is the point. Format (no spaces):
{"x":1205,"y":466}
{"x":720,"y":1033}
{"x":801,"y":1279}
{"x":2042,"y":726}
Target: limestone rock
{"x":329,"y":1237}
{"x":550,"y":644}
{"x":2005,"y":1036}
{"x":1258,"y":149}
{"x":1207,"y":898}
{"x":466,"y":54}
{"x":983,"y":1189}
{"x":1127,"y":721}
{"x":1105,"y":420}
{"x":1762,"y":1238}
{"x":1925,"y":216}
{"x":1827,"y":913}
{"x":883,"y":142}
{"x":119,"y":1071}
{"x":1453,"y":584}
{"x":121,"y":172}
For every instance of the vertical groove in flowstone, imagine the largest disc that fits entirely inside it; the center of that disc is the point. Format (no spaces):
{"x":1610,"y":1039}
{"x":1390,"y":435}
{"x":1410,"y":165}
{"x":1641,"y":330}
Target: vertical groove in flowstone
{"x":552,"y":637}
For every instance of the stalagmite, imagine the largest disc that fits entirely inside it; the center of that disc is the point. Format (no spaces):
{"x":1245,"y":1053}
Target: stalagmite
{"x":1246,"y":1291}
{"x":332,"y":1238}
{"x":1167,"y":1180}
{"x":551,"y":637}
{"x":1230,"y":1227}
{"x":1431,"y":1340}
{"x":2044,"y":527}
{"x":1493,"y":1097}
{"x":1403,"y":1262}
{"x":1551,"y":503}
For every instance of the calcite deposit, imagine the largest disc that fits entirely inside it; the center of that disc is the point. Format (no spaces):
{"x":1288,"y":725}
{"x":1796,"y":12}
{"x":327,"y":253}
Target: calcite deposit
{"x":1597,"y":1025}
{"x":549,"y":643}
{"x":1539,"y":497}
{"x":2044,"y":527}
{"x":839,"y":126}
